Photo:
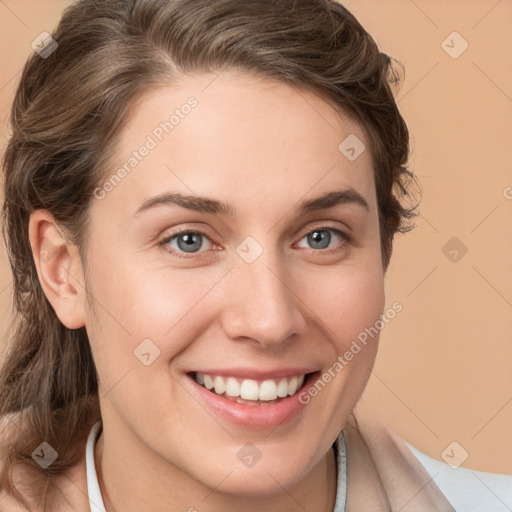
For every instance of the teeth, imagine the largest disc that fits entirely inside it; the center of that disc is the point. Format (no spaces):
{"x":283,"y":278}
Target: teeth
{"x":282,"y":388}
{"x":292,"y":386}
{"x":232,"y":387}
{"x":268,"y":390}
{"x":208,"y":381}
{"x":220,"y":385}
{"x":249,"y":389}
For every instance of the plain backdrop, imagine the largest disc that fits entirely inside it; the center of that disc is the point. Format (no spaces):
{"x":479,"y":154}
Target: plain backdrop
{"x":443,"y":372}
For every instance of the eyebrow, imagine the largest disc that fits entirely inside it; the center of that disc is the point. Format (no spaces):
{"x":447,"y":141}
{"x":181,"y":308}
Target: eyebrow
{"x":208,"y":205}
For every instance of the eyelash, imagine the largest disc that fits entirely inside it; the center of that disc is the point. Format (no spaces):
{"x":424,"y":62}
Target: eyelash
{"x":163,"y":243}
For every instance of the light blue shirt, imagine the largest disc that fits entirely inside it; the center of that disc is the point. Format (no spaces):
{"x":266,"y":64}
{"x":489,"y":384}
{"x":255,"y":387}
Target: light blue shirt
{"x":468,"y":490}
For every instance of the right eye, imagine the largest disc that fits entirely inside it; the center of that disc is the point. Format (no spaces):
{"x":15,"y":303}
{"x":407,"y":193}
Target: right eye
{"x":184,"y":242}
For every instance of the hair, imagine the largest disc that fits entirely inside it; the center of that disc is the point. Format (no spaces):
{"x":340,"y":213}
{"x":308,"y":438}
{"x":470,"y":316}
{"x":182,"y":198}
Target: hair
{"x":66,"y":116}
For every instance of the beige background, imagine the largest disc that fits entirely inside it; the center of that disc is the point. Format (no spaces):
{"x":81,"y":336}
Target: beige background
{"x":443,"y":372}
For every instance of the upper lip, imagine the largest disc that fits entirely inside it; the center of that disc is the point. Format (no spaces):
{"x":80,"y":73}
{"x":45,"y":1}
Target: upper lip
{"x":256,"y":374}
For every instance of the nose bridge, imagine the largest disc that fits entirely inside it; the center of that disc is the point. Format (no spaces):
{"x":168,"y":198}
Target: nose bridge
{"x":262,"y":306}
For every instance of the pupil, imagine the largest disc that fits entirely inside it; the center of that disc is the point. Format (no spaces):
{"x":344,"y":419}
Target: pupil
{"x":192,"y":241}
{"x":319,"y":237}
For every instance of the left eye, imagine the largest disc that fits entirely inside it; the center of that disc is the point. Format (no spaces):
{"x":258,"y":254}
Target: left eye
{"x":320,"y":238}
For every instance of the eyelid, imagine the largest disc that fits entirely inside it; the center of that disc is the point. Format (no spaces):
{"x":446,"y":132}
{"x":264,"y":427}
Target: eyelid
{"x":345,"y":230}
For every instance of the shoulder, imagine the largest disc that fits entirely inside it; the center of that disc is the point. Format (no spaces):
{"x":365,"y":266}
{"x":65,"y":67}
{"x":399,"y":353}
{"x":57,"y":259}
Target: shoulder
{"x":68,"y":489}
{"x":396,"y":473}
{"x":468,"y":489}
{"x":465,"y":488}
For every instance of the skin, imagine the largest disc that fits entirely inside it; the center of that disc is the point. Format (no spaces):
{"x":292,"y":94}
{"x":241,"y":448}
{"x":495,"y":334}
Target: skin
{"x":262,"y":147}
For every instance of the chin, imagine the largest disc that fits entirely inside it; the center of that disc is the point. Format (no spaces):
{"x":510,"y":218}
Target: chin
{"x":262,"y":479}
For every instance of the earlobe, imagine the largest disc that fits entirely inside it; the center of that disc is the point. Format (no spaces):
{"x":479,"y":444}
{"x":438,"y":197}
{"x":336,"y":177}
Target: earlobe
{"x":59,"y":269}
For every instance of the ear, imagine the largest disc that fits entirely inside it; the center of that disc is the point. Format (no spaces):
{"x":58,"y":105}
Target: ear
{"x":59,"y":269}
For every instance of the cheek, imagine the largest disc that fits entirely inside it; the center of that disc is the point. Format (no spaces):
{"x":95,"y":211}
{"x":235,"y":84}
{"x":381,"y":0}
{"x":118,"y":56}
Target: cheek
{"x":139,"y":313}
{"x":347,"y":301}
{"x":163,"y":302}
{"x":159,"y":304}
{"x":350,"y":309}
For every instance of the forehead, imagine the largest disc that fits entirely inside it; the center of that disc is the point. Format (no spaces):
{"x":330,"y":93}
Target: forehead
{"x":239,"y":138}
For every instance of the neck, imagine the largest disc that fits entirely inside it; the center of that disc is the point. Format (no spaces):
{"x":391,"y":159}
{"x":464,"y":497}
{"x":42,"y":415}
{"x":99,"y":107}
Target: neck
{"x":128,"y":484}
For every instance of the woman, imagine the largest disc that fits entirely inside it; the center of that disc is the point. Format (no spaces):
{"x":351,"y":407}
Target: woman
{"x":172,"y":167}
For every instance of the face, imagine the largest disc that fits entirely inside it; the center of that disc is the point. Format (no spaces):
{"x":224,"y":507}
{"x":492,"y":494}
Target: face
{"x":249,"y":284}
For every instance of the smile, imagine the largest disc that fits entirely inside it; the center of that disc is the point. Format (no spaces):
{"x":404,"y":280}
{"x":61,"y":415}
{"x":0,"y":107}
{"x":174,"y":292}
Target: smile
{"x":252,"y":398}
{"x":250,"y":391}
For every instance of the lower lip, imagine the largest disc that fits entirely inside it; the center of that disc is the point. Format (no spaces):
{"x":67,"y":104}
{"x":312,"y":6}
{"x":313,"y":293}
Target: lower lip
{"x":254,"y":416}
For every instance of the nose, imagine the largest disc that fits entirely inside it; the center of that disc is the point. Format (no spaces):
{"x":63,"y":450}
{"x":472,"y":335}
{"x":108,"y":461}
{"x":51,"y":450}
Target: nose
{"x":263,"y":306}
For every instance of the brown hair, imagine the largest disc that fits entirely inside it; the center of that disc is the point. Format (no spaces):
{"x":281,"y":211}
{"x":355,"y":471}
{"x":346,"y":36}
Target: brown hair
{"x":66,"y":114}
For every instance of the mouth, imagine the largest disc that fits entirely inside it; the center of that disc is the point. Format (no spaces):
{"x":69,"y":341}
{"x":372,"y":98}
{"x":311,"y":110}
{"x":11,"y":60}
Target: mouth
{"x":251,"y":391}
{"x":251,"y":398}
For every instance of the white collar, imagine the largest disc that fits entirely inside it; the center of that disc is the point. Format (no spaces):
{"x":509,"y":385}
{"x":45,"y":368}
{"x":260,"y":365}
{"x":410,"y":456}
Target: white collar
{"x":96,"y":501}
{"x":93,"y":487}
